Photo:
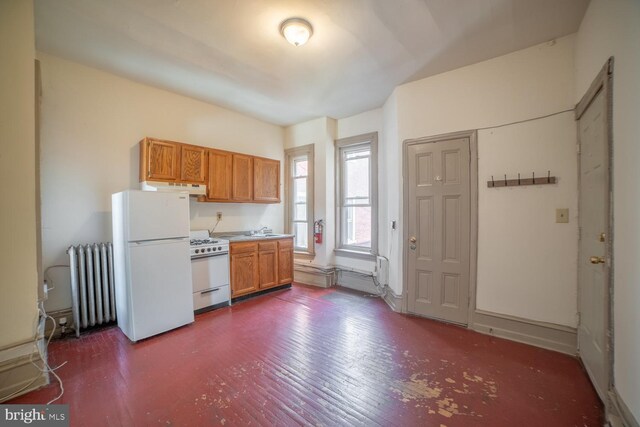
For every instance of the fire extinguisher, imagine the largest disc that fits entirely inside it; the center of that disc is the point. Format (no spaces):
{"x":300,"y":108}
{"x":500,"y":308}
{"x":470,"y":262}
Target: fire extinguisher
{"x":317,"y":231}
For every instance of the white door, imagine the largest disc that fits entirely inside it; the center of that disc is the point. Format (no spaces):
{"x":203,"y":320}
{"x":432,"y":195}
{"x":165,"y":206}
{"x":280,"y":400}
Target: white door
{"x":438,"y":206}
{"x":160,"y":287}
{"x":154,"y":215}
{"x":593,"y":261}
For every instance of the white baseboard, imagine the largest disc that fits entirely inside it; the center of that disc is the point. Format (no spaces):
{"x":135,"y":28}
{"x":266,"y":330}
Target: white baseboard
{"x":619,"y":414}
{"x":357,"y":282}
{"x":393,"y":301}
{"x":18,"y":375}
{"x":540,"y":334}
{"x":320,"y":279}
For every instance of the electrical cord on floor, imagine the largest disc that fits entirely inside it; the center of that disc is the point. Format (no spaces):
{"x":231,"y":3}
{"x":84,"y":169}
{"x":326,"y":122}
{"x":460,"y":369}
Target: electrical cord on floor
{"x":47,"y":367}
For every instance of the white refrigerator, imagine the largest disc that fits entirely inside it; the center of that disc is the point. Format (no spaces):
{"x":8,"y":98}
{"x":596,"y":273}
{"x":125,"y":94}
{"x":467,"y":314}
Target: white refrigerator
{"x":152,"y":267}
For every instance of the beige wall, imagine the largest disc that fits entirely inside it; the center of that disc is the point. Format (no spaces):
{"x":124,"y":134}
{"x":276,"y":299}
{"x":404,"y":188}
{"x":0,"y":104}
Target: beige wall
{"x":91,"y":124}
{"x":529,"y":83}
{"x":18,"y":282}
{"x":612,"y":28}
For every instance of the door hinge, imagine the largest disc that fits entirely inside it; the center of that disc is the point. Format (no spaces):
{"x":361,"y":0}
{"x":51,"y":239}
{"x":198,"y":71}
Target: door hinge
{"x":578,"y":148}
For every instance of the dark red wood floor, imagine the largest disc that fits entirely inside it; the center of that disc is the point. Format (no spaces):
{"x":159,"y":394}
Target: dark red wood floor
{"x":310,"y":356}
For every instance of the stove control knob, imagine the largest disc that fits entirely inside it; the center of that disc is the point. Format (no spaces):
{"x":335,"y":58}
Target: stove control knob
{"x":197,"y":251}
{"x":214,"y":249}
{"x":219,"y":248}
{"x":208,"y":249}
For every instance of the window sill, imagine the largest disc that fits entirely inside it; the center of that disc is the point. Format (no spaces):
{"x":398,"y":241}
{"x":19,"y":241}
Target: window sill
{"x":355,"y":254}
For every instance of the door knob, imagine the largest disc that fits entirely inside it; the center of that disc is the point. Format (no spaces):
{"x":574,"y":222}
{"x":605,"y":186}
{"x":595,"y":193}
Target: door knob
{"x":597,"y":260}
{"x":413,"y":239}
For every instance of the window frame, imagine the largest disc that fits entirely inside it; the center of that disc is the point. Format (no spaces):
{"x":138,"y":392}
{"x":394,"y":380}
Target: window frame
{"x":291,"y":155}
{"x":346,"y":145}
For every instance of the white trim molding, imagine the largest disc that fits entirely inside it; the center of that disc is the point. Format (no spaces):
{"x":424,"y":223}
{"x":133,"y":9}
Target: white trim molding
{"x":618,"y":413}
{"x":539,"y":334}
{"x":21,"y":369}
{"x":393,"y":301}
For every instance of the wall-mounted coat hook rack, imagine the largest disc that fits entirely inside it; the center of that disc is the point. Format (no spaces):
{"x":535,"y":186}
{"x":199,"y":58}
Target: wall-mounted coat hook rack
{"x":522,"y":181}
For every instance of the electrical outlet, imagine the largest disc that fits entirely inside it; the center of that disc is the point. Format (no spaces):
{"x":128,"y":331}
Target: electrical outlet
{"x":562,"y":216}
{"x":219,"y":216}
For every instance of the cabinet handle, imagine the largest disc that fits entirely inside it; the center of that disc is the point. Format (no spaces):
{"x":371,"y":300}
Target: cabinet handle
{"x":208,"y":291}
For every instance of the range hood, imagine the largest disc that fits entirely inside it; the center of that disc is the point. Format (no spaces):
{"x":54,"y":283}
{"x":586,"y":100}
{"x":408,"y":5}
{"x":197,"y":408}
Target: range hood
{"x":178,"y":187}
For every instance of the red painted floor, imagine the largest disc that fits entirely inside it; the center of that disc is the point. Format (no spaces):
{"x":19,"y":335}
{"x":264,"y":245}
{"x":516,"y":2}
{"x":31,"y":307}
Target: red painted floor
{"x":310,"y":356}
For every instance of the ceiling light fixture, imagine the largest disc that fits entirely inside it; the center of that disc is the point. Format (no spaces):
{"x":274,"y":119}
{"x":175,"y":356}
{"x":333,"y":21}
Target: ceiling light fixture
{"x":296,"y":30}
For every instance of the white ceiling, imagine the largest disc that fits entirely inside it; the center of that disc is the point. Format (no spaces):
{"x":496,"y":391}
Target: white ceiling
{"x":230,"y":52}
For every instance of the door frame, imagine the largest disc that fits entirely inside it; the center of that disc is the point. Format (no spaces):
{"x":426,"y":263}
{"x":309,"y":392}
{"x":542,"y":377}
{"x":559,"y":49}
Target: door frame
{"x":602,"y":82}
{"x":473,"y":214}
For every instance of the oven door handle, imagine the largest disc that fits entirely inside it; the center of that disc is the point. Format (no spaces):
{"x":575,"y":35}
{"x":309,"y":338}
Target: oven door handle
{"x":209,"y":255}
{"x":208,"y":291}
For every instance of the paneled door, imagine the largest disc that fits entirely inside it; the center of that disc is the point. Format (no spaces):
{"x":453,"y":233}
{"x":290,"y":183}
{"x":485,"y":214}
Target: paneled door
{"x":595,"y":240}
{"x":439,"y":215}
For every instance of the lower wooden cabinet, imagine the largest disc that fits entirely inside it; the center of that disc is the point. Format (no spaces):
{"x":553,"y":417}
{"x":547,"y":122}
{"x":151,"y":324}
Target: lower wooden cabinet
{"x":268,"y":264}
{"x":260,"y":265}
{"x":244,"y":268}
{"x":285,"y":261}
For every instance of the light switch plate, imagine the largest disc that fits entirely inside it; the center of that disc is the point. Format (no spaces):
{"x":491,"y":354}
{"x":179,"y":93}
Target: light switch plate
{"x":562,"y":215}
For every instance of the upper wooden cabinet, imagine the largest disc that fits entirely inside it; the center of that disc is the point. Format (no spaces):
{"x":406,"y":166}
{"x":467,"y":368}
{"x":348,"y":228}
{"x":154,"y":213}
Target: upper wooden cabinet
{"x":230,"y":177}
{"x":193,"y":164}
{"x":242,"y":178}
{"x":266,"y":180}
{"x":159,"y":160}
{"x":219,"y":185}
{"x":162,"y":160}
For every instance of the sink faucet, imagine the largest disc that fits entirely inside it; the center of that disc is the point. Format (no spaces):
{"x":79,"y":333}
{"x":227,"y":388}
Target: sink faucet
{"x":260,"y":231}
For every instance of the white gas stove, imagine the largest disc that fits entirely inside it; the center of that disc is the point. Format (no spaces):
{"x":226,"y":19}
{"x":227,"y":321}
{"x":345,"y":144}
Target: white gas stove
{"x":201,"y":245}
{"x":209,"y":271}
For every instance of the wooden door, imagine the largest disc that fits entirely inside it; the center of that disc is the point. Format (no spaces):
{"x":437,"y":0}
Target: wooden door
{"x":242,"y":181}
{"x":193,"y":164}
{"x":220,"y":176}
{"x":285,"y":261}
{"x":268,"y":262}
{"x":438,"y":172}
{"x":244,"y":268}
{"x":161,"y":159}
{"x":594,"y":244}
{"x":266,"y":180}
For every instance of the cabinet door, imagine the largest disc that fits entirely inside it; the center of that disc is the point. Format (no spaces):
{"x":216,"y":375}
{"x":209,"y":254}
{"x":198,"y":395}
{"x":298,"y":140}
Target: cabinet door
{"x":242,"y":182}
{"x":244,"y":273}
{"x":268,"y":261}
{"x":161,"y":159}
{"x":219,"y":184}
{"x":285,"y":261}
{"x":192,"y":164}
{"x":266,"y":180}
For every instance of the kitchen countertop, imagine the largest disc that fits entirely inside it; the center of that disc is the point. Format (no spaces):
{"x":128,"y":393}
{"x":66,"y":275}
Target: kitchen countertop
{"x":256,"y":237}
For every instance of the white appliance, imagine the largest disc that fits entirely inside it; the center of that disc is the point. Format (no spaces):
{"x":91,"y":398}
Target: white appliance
{"x":191,"y":189}
{"x":209,"y":271}
{"x":152,"y":270}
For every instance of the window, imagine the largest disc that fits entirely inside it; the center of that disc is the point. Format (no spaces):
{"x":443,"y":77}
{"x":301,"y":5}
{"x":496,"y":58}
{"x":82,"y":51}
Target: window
{"x":356,"y":195}
{"x":299,"y":197}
